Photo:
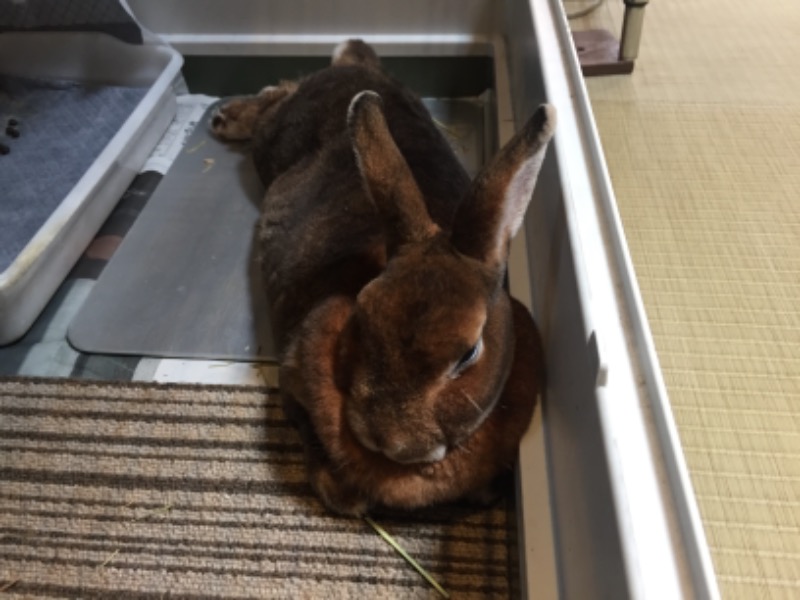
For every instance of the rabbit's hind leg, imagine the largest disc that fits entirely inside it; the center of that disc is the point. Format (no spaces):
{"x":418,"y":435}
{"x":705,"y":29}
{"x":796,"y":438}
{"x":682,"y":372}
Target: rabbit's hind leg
{"x":236,"y":119}
{"x":355,"y":52}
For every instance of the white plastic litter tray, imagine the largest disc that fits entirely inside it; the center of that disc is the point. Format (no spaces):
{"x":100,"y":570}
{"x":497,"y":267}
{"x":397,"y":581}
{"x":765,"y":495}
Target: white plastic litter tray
{"x":606,"y":506}
{"x":29,"y":281}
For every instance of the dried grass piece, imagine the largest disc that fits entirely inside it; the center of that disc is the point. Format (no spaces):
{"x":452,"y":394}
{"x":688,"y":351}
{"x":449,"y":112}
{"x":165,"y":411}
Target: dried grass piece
{"x":447,"y":129}
{"x":195,"y":148}
{"x":109,"y":559}
{"x":162,"y":510}
{"x":393,"y":543}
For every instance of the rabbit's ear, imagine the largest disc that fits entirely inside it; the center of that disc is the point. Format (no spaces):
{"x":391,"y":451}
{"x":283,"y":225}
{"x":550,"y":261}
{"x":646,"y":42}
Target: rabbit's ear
{"x":493,"y":210}
{"x":387,"y":174}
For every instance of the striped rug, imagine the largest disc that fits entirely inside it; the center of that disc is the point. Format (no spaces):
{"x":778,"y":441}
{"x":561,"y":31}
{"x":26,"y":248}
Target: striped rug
{"x":152,"y":491}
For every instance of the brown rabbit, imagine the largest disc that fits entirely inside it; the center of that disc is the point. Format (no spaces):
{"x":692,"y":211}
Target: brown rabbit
{"x":410,"y":370}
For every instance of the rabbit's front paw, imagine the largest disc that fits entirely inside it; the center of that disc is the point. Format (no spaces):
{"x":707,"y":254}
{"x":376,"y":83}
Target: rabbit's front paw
{"x":336,"y":496}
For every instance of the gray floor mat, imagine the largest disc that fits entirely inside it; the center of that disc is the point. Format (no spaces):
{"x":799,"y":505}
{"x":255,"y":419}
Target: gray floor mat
{"x":184,"y":282}
{"x":63,"y":126}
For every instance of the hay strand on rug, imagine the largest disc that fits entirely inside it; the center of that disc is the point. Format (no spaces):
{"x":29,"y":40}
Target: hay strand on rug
{"x":419,"y":568}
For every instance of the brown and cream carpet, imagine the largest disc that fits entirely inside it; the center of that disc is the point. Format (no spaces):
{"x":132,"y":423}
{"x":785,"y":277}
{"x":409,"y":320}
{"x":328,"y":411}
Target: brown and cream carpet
{"x":153,"y":491}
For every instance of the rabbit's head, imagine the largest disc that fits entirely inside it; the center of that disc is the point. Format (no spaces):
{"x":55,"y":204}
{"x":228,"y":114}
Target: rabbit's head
{"x":427,"y":350}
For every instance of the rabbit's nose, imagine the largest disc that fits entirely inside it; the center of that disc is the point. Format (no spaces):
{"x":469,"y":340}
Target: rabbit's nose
{"x":437,"y":454}
{"x":405,"y":455}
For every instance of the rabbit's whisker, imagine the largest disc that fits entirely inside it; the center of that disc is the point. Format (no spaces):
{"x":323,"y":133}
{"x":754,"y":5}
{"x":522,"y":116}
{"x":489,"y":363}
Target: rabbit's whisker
{"x":463,"y":448}
{"x":471,"y":401}
{"x":342,"y":464}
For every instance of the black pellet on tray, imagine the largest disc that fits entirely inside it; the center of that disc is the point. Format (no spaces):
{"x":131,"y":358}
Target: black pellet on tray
{"x":12,"y":132}
{"x":4,"y":149}
{"x":12,"y":122}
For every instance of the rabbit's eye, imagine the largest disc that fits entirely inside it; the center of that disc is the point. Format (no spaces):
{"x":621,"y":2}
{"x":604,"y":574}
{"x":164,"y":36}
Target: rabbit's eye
{"x":469,"y":358}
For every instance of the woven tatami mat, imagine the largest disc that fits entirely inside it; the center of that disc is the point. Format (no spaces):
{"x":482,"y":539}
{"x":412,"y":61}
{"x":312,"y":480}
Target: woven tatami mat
{"x":703,"y":146}
{"x":145,"y":491}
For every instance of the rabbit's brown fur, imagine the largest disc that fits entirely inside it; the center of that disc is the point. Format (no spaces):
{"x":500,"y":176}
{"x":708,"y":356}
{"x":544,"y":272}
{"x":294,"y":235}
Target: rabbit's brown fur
{"x":410,"y":371}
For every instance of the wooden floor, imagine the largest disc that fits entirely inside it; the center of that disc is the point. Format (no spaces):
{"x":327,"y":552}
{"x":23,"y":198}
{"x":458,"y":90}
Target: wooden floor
{"x":703,"y":146}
